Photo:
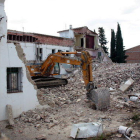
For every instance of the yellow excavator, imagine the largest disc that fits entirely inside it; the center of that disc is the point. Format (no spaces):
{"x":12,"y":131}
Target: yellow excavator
{"x":43,"y":75}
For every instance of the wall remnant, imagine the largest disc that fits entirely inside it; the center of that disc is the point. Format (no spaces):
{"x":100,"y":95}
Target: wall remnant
{"x":22,"y":57}
{"x":12,"y":56}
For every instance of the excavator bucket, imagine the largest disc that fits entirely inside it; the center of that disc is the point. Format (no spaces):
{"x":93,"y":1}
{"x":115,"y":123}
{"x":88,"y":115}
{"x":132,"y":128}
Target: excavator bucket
{"x":100,"y":97}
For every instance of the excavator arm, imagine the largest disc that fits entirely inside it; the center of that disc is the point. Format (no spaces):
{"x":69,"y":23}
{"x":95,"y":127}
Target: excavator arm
{"x":101,"y":99}
{"x":85,"y":61}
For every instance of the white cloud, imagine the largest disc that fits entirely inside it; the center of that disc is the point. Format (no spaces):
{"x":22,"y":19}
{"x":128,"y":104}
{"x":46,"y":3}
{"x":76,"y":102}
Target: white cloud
{"x":50,"y":16}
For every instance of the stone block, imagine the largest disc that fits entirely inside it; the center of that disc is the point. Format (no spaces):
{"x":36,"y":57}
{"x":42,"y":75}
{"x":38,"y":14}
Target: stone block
{"x":10,"y":114}
{"x":126,"y":85}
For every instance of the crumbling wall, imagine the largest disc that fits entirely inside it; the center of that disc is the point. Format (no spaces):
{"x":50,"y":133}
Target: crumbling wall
{"x":22,"y":57}
{"x":104,"y":56}
{"x":11,"y":56}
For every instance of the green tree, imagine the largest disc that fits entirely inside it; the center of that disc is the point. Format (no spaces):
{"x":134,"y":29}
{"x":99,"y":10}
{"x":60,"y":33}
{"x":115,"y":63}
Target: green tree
{"x":113,"y":46}
{"x":102,"y":39}
{"x":120,"y":53}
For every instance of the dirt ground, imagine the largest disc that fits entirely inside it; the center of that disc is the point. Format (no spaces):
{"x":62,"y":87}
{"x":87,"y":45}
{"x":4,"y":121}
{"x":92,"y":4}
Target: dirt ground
{"x":59,"y":119}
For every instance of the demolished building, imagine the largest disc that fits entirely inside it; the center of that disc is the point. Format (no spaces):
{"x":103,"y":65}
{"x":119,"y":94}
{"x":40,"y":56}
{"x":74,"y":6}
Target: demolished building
{"x":19,"y":49}
{"x":37,"y":47}
{"x":13,"y":75}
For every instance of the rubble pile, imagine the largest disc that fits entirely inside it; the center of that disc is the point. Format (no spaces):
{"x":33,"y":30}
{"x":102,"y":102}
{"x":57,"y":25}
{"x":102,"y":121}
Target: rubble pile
{"x":67,"y":105}
{"x":105,"y":75}
{"x":114,"y":75}
{"x":67,"y":94}
{"x":37,"y":117}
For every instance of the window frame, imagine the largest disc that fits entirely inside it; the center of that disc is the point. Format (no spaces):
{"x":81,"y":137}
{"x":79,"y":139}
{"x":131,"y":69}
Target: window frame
{"x":14,"y":80}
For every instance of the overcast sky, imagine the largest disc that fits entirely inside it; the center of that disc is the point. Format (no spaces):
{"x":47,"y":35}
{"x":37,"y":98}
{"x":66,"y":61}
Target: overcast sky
{"x":50,"y":16}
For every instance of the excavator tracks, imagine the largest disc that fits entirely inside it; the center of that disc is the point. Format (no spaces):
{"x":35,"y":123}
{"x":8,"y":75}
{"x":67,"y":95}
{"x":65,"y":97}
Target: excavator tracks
{"x":44,"y":82}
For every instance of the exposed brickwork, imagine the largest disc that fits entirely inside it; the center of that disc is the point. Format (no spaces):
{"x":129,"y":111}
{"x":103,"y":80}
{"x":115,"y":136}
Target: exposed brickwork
{"x":133,"y":55}
{"x":83,"y":30}
{"x":40,"y":38}
{"x":14,"y":32}
{"x":53,"y":40}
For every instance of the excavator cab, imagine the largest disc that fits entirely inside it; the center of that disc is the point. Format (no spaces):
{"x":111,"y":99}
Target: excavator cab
{"x":56,"y":70}
{"x":43,"y":75}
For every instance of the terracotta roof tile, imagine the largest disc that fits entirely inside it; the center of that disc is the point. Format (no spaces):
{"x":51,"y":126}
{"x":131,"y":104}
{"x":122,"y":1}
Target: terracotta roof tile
{"x":45,"y":39}
{"x":136,"y":48}
{"x":81,"y":30}
{"x":53,"y":40}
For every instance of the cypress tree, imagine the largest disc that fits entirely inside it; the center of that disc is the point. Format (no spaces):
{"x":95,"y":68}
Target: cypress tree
{"x":113,"y":46}
{"x":120,"y":53}
{"x":102,"y":39}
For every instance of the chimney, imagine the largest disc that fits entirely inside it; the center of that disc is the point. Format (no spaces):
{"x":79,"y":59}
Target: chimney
{"x":70,"y":27}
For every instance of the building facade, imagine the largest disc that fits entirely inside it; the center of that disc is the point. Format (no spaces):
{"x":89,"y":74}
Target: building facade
{"x":85,"y":39}
{"x":16,"y":87}
{"x":37,"y":47}
{"x":133,"y":55}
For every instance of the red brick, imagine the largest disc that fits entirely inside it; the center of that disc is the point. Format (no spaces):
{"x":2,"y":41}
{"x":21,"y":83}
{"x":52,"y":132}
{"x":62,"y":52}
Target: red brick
{"x":133,"y":55}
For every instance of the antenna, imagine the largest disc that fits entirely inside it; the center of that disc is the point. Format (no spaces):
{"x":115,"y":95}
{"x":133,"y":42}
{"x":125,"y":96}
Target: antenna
{"x":23,"y":29}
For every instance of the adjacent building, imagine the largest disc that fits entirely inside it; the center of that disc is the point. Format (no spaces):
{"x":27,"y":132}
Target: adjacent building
{"x":133,"y":55}
{"x":37,"y":47}
{"x":84,"y":38}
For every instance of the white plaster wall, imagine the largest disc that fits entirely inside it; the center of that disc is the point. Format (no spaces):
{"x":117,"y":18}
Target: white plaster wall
{"x":64,"y":34}
{"x":3,"y":25}
{"x":22,"y":101}
{"x":30,"y":50}
{"x":71,"y":33}
{"x":25,"y":100}
{"x":67,"y":34}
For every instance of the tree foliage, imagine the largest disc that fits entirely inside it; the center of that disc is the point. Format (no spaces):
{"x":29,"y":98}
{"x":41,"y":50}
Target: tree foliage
{"x":113,"y":46}
{"x":102,"y":39}
{"x":117,"y":52}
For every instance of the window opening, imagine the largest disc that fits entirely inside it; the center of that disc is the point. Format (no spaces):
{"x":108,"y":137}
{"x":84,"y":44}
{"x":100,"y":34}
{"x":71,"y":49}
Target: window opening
{"x":39,"y":54}
{"x":10,"y":37}
{"x":87,"y":42}
{"x":56,"y":68}
{"x":67,"y":54}
{"x":53,"y":51}
{"x":14,"y":80}
{"x":18,"y":38}
{"x":82,"y":42}
{"x":21,"y":38}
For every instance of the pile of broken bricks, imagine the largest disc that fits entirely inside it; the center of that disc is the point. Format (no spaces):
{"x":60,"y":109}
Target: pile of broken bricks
{"x":123,"y":81}
{"x":70,"y":93}
{"x":118,"y":78}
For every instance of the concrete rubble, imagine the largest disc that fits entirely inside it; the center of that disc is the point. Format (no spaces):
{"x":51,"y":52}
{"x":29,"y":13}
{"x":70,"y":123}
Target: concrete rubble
{"x":68,"y":104}
{"x":126,"y":85}
{"x":67,"y":94}
{"x":86,"y":130}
